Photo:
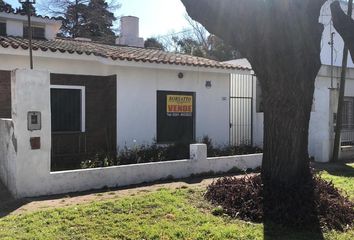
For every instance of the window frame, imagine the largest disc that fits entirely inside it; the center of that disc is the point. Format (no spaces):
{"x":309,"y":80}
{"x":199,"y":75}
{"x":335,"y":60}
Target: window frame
{"x":83,"y":101}
{"x":4,"y":22}
{"x":349,"y":122}
{"x":33,"y":35}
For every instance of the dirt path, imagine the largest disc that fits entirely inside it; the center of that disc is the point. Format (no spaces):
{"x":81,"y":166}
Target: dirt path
{"x":13,"y":207}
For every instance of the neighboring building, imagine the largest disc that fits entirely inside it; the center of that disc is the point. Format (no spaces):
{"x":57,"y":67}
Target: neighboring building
{"x":338,"y":44}
{"x":322,"y":125}
{"x":105,"y":97}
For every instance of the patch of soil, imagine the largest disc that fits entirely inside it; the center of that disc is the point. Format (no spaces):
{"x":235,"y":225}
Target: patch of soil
{"x":10,"y":206}
{"x":316,"y":202}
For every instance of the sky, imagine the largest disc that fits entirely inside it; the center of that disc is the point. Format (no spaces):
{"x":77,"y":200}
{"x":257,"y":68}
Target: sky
{"x":157,"y":17}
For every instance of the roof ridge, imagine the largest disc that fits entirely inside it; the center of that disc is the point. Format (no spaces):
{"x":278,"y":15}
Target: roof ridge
{"x":115,"y":52}
{"x":15,"y":12}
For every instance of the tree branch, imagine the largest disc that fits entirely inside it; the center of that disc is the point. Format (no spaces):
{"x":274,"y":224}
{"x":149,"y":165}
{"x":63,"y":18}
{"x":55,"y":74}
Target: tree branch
{"x":344,"y":26}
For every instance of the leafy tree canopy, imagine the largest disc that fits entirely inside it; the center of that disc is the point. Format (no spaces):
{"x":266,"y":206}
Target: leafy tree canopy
{"x":153,"y":43}
{"x":5,"y":7}
{"x":92,"y":19}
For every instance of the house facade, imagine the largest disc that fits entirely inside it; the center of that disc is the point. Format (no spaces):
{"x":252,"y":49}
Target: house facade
{"x":105,"y":97}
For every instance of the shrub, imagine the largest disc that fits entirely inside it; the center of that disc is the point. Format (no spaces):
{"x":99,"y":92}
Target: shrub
{"x":99,"y":160}
{"x":311,"y":203}
{"x":158,"y":153}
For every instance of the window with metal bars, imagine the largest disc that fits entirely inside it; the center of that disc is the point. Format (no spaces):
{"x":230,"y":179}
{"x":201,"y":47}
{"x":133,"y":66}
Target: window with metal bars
{"x":66,"y":108}
{"x":3,"y":29}
{"x":37,"y":32}
{"x":348,"y":113}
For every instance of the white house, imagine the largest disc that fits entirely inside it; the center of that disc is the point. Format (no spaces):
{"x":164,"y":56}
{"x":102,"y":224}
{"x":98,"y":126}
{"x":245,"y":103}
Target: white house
{"x":105,"y":97}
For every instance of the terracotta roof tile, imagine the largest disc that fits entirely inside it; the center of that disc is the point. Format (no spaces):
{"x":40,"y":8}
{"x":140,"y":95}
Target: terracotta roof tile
{"x":114,"y":52}
{"x":15,"y":12}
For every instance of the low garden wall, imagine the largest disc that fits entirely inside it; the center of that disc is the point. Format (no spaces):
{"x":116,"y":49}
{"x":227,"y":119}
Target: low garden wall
{"x":119,"y":176}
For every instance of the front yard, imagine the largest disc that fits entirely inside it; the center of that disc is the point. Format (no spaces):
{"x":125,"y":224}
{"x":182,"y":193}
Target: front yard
{"x":166,"y":213}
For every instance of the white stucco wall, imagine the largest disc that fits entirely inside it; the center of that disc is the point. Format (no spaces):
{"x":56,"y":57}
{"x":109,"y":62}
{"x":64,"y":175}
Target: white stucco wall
{"x":137,"y":113}
{"x":321,"y":124}
{"x":30,"y":92}
{"x":51,"y":30}
{"x":80,"y":180}
{"x":14,"y":28}
{"x":136,"y":92}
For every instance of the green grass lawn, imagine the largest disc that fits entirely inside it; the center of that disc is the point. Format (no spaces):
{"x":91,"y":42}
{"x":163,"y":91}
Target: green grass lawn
{"x":163,"y":214}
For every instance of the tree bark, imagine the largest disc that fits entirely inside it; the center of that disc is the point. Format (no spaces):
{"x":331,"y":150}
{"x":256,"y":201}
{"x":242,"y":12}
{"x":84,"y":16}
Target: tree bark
{"x":281,"y":39}
{"x":344,"y":26}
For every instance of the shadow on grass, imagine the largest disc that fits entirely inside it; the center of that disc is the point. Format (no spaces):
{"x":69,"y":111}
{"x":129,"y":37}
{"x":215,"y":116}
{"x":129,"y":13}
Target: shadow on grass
{"x":277,"y":232}
{"x":7,"y":203}
{"x":290,"y":213}
{"x":336,"y":169}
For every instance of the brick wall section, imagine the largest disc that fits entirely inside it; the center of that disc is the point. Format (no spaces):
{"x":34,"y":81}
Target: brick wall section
{"x":101,"y":123}
{"x":5,"y":94}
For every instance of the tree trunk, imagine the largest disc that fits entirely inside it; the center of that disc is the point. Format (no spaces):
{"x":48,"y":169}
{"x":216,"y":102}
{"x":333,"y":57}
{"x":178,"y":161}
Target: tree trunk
{"x":281,"y":39}
{"x":286,"y":125}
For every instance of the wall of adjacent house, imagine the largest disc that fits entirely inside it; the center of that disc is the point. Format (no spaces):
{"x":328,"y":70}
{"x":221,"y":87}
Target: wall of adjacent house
{"x":326,"y":20}
{"x":321,"y":132}
{"x":136,"y":94}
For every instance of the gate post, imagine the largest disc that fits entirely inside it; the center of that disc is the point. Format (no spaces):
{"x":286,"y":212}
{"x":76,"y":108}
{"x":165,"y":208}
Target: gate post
{"x":198,"y":152}
{"x":30,"y":96}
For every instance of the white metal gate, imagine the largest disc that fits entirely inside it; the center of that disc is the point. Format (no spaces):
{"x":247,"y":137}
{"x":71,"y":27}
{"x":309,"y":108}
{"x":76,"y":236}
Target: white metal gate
{"x":241,"y":109}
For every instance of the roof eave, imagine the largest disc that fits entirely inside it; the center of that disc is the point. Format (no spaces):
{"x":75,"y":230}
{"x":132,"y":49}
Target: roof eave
{"x":122,"y":63}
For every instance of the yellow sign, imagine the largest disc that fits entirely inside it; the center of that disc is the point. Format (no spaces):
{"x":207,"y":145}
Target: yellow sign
{"x":179,"y":105}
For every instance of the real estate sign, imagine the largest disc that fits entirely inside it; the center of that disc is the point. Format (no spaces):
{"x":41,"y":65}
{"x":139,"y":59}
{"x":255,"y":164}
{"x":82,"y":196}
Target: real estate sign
{"x":179,"y":105}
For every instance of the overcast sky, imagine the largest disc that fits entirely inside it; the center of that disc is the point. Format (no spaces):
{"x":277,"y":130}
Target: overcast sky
{"x":157,"y":17}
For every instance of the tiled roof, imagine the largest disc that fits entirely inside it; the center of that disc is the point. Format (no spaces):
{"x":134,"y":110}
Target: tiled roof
{"x":33,"y":15}
{"x":114,"y":52}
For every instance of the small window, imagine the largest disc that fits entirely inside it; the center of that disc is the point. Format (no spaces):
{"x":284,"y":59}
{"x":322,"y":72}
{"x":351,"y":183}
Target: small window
{"x":37,"y":32}
{"x":67,"y":108}
{"x":2,"y":29}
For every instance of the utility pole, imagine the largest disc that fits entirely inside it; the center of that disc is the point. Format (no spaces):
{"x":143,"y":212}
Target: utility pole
{"x":331,"y":43}
{"x":341,"y":94}
{"x":27,"y":4}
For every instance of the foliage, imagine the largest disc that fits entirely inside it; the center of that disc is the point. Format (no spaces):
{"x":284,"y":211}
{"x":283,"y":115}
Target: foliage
{"x":316,"y":201}
{"x":159,"y":153}
{"x":198,"y":42}
{"x":24,"y":9}
{"x":153,"y":43}
{"x":100,"y":22}
{"x":217,"y":151}
{"x":98,"y":161}
{"x":5,"y":7}
{"x":85,"y":18}
{"x":162,"y":214}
